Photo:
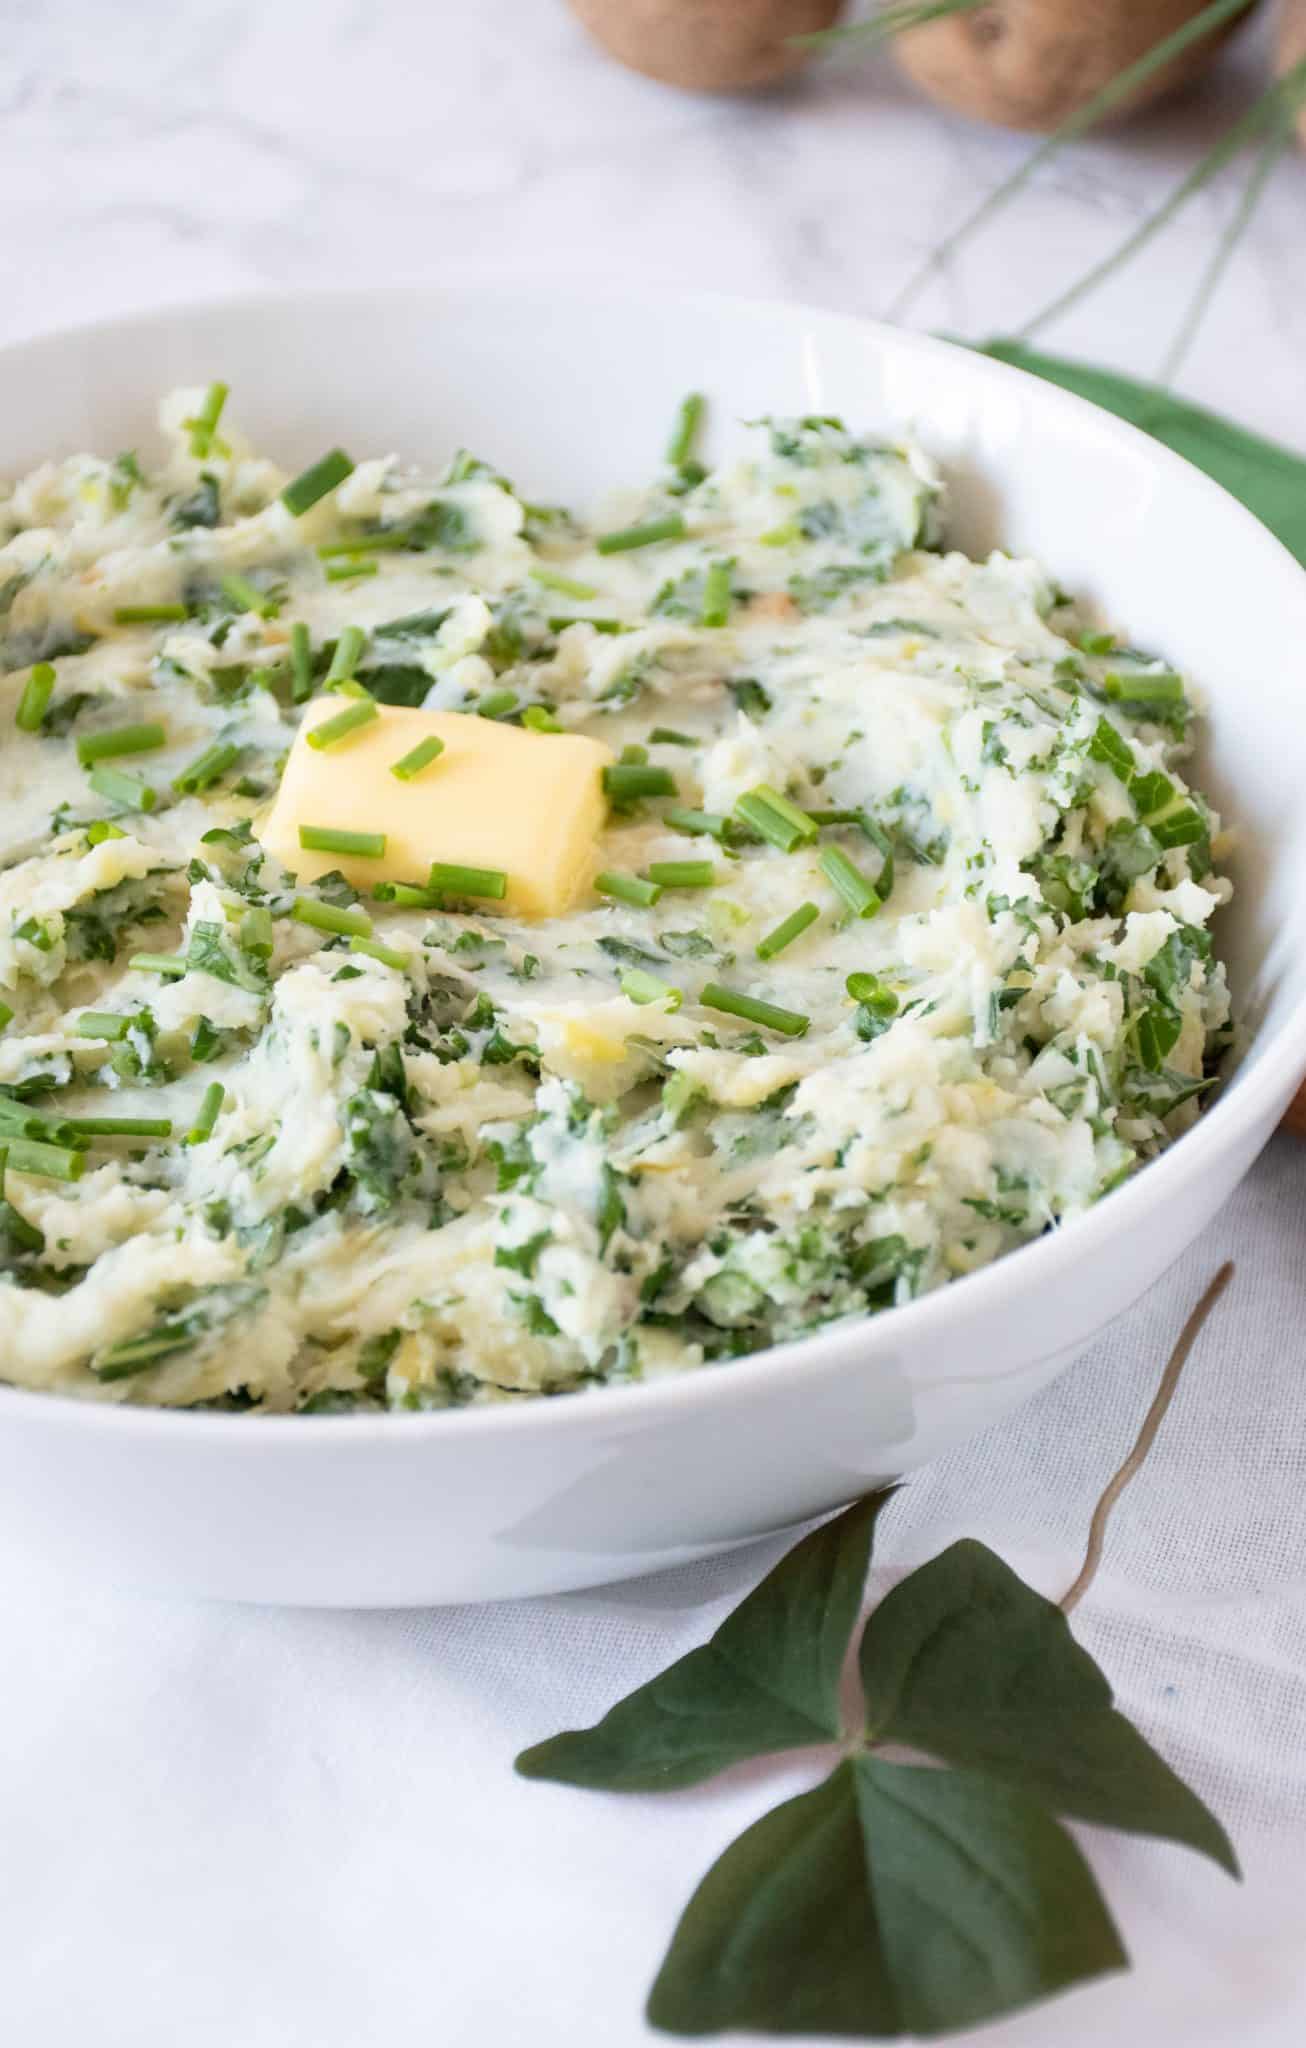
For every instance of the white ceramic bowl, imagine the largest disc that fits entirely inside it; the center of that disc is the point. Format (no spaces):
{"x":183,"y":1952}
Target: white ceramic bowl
{"x":571,"y":392}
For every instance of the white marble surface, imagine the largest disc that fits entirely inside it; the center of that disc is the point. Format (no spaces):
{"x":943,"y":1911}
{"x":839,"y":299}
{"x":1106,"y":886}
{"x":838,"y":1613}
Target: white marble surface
{"x":167,"y":149}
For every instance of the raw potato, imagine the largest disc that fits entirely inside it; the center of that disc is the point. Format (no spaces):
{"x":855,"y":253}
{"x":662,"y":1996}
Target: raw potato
{"x":1292,"y":51}
{"x":708,"y":45}
{"x":1033,"y":63}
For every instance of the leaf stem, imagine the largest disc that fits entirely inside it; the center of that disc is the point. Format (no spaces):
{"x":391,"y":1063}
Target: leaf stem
{"x":1263,"y":169}
{"x":1146,"y":1437}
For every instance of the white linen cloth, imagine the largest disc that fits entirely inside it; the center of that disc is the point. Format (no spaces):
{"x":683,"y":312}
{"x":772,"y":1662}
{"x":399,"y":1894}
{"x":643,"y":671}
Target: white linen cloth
{"x":230,"y":1827}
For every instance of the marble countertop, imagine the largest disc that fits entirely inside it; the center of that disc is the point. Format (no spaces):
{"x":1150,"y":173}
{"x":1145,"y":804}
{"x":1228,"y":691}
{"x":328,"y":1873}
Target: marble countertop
{"x":156,"y":150}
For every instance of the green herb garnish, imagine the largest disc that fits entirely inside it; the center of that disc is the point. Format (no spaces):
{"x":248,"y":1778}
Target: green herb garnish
{"x":790,"y":928}
{"x":849,"y":882}
{"x":421,"y":756}
{"x":207,"y":768}
{"x":120,"y":740}
{"x":312,"y":484}
{"x":682,"y":874}
{"x":331,"y":917}
{"x":632,"y":889}
{"x":731,"y":1003}
{"x":327,"y":839}
{"x":344,"y":724}
{"x":148,"y":614}
{"x":625,"y":539}
{"x":642,"y":987}
{"x":35,"y":700}
{"x":780,"y":822}
{"x":450,"y":879}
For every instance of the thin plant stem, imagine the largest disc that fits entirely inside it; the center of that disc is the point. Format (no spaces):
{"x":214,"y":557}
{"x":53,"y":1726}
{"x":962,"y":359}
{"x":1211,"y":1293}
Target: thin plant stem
{"x":892,"y":20}
{"x":1263,"y":169}
{"x":1152,"y":1421}
{"x":1094,"y":110}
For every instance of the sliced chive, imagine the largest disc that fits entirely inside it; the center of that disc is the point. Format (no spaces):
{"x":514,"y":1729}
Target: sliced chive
{"x":207,"y":768}
{"x":122,"y":739}
{"x":850,"y":882}
{"x":301,"y":662}
{"x":100,"y":829}
{"x":565,"y":586}
{"x":792,"y":1023}
{"x":1164,"y":687}
{"x":147,"y":614}
{"x":330,"y":917}
{"x":6,"y":1015}
{"x":632,"y":753}
{"x":209,"y":1111}
{"x":417,"y":758}
{"x":102,"y":1024}
{"x":681,"y":874}
{"x":452,"y":880}
{"x":313,"y":483}
{"x":120,"y":1126}
{"x":707,"y":823}
{"x":47,"y":1162}
{"x":646,"y":988}
{"x":627,"y":889}
{"x":116,"y":786}
{"x":134,"y":1354}
{"x":778,"y":821}
{"x":352,"y":720}
{"x":1096,"y":643}
{"x":625,"y":539}
{"x":35,"y":700}
{"x":536,"y":718}
{"x":247,"y":597}
{"x":389,"y":956}
{"x":344,"y":660}
{"x":205,"y":423}
{"x":667,"y":736}
{"x":685,"y":432}
{"x":624,"y":780}
{"x":408,"y":896}
{"x":495,"y":704}
{"x":558,"y":624}
{"x":382,"y":543}
{"x":781,"y":536}
{"x":349,"y":572}
{"x":716,"y":595}
{"x":328,"y":839}
{"x":158,"y":963}
{"x":256,"y":934}
{"x":789,"y":929}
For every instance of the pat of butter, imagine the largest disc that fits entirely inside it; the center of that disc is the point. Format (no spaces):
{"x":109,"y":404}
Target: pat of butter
{"x":528,"y":803}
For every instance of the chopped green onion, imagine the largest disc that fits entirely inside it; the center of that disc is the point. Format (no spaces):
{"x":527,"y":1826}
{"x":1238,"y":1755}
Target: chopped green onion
{"x":564,"y":585}
{"x":789,"y":929}
{"x":209,"y":1111}
{"x":646,"y":988}
{"x":120,"y":1126}
{"x":778,"y":821}
{"x":146,"y":614}
{"x":118,"y":787}
{"x":496,"y":704}
{"x":122,"y":739}
{"x":159,"y":963}
{"x":627,"y":889}
{"x":418,"y":757}
{"x":362,"y":544}
{"x":389,"y":956}
{"x":330,"y":917}
{"x":100,"y":829}
{"x":625,"y":780}
{"x":35,"y":700}
{"x":685,"y":432}
{"x":695,"y":823}
{"x":682,"y":874}
{"x":301,"y":662}
{"x":6,"y":1015}
{"x":349,"y":572}
{"x":345,"y":658}
{"x":560,"y":625}
{"x":850,"y":882}
{"x":47,"y":1162}
{"x":205,"y":423}
{"x":633,"y":753}
{"x":1163,"y":687}
{"x":667,"y":736}
{"x":326,"y":839}
{"x":333,"y":730}
{"x":792,"y":1023}
{"x":256,"y":935}
{"x":207,"y":768}
{"x":781,"y":536}
{"x":407,"y":895}
{"x":134,"y":1354}
{"x":102,"y":1024}
{"x":1096,"y":643}
{"x":716,"y":595}
{"x":452,"y":880}
{"x":313,"y":483}
{"x":536,"y":718}
{"x":247,"y":597}
{"x":626,"y":538}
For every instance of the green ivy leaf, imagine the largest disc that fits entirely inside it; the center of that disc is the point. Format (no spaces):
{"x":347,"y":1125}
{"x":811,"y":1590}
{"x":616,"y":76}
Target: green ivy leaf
{"x":891,"y":1900}
{"x":767,"y":1680}
{"x":966,"y":1662}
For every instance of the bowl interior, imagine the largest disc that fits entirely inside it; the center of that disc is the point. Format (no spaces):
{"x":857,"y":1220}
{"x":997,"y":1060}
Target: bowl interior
{"x":572,"y":393}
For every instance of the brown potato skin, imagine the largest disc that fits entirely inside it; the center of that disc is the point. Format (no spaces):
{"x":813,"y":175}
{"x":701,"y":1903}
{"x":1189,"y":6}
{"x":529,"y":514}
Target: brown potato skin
{"x":707,"y":45}
{"x":1032,"y":63}
{"x":1291,"y":51}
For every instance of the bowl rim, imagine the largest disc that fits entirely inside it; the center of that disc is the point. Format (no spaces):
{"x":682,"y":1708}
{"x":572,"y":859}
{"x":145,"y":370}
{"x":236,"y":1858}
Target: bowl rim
{"x":1280,"y":1065}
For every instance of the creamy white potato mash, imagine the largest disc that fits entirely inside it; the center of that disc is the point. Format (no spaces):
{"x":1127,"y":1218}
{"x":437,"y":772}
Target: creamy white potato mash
{"x":885,"y":951}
